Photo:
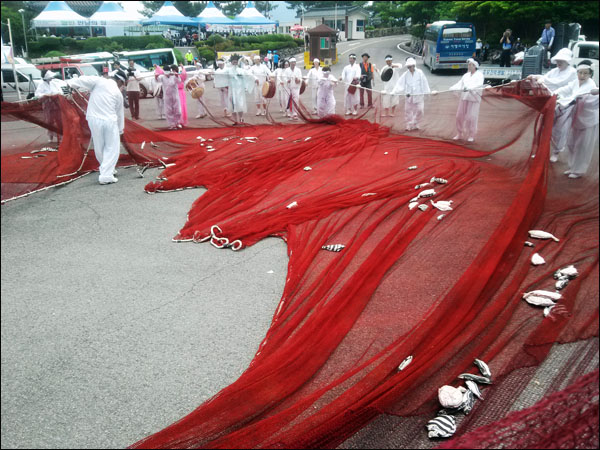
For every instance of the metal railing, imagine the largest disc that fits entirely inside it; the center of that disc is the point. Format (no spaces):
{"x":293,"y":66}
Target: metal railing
{"x":380,"y":32}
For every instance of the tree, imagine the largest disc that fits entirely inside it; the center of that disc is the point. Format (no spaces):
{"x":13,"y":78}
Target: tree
{"x":10,"y":10}
{"x":307,"y":6}
{"x":264,"y":7}
{"x":188,"y":9}
{"x":232,"y":8}
{"x":388,"y":13}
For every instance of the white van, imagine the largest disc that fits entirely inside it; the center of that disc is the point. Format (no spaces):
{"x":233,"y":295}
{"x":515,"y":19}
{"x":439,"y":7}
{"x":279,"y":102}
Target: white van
{"x":29,"y":78}
{"x":583,"y":50}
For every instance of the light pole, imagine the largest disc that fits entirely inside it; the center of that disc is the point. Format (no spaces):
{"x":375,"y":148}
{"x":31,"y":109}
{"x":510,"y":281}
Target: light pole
{"x":22,"y":12}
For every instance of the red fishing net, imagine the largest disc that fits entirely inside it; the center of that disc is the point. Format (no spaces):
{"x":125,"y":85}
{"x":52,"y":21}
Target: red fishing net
{"x":444,"y":287}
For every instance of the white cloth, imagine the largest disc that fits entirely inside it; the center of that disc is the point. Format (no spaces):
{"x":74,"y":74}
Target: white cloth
{"x":584,"y":133}
{"x":293,"y":80}
{"x":240,"y":81}
{"x":105,"y":136}
{"x":350,"y":72}
{"x":467,"y":114}
{"x":557,"y":78}
{"x":132,"y":83}
{"x":325,"y":96}
{"x":106,"y":100}
{"x":313,"y":77}
{"x":569,"y":92}
{"x":282,"y":95}
{"x":262,"y":74}
{"x":48,"y":88}
{"x":388,"y":100}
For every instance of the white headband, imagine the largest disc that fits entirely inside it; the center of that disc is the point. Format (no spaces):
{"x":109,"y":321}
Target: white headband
{"x":584,"y":66}
{"x":292,"y":60}
{"x":389,"y":58}
{"x":471,"y":60}
{"x":410,"y":62}
{"x":316,"y":60}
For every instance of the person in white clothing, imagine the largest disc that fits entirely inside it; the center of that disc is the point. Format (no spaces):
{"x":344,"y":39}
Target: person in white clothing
{"x":388,"y":100}
{"x":50,"y":107}
{"x":314,"y":75}
{"x":200,"y":77}
{"x":239,"y":82}
{"x":106,"y":119}
{"x":414,"y":85}
{"x":557,"y":78}
{"x":325,"y":97}
{"x":282,"y":94}
{"x":262,"y":73}
{"x":158,"y":95}
{"x":582,"y":97}
{"x":293,"y":78}
{"x":467,"y":115}
{"x":351,"y":75}
{"x":221,"y":84}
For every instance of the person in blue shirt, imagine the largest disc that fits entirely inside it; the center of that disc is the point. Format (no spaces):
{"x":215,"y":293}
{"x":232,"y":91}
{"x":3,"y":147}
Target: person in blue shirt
{"x":275,"y":59}
{"x":547,"y":39}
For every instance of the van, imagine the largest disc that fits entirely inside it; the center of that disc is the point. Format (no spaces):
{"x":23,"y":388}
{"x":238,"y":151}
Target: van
{"x":583,"y":50}
{"x":29,"y":78}
{"x":67,"y":70}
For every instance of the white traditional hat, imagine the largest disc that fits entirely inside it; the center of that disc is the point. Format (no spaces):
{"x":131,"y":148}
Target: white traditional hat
{"x":256,"y":57}
{"x":49,"y":75}
{"x":564,"y":54}
{"x":292,"y":60}
{"x":316,"y":60}
{"x":410,"y":62}
{"x":471,"y":60}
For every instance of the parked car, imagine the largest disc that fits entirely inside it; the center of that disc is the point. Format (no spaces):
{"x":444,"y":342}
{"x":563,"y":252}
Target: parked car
{"x":68,"y":70}
{"x":29,"y":78}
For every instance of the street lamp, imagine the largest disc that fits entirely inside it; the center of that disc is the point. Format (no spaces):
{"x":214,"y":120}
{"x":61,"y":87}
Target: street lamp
{"x":22,"y":12}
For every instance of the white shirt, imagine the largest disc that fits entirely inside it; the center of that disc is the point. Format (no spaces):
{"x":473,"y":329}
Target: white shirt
{"x":106,"y":100}
{"x":350,"y":72}
{"x":132,"y":83}
{"x":292,"y":76}
{"x":314,"y":75}
{"x":49,"y":88}
{"x":221,"y":78}
{"x":413,"y":83}
{"x":557,"y":78}
{"x":261,"y":72}
{"x":471,"y":82}
{"x":389,"y":85}
{"x":568,"y":93}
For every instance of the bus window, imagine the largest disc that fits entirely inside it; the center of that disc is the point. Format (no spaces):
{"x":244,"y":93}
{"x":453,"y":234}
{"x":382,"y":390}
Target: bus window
{"x":457,"y":33}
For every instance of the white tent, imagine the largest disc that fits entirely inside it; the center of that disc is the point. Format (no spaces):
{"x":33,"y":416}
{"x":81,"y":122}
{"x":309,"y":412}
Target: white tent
{"x":114,"y":19}
{"x":59,"y":14}
{"x":251,"y":16}
{"x":169,"y":15}
{"x":212,"y":15}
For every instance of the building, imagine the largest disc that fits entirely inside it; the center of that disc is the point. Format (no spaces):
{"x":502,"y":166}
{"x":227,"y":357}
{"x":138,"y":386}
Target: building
{"x":349,"y":20}
{"x":285,"y":18}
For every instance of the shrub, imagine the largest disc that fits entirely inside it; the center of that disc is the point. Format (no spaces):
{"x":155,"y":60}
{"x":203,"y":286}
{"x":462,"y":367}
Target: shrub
{"x":215,"y":39}
{"x":54,"y":53}
{"x":178,"y":56}
{"x":206,"y":53}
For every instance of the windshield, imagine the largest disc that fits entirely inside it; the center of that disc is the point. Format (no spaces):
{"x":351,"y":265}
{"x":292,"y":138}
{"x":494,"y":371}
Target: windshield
{"x":89,"y":70}
{"x":457,"y":33}
{"x":33,"y":71}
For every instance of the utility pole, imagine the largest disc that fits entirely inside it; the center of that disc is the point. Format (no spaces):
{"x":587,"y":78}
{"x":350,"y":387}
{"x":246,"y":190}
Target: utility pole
{"x":12,"y":49}
{"x":22,"y":11}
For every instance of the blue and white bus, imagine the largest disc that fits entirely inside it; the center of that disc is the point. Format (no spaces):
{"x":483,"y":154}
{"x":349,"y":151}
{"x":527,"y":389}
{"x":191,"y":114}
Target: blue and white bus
{"x":448,"y":45}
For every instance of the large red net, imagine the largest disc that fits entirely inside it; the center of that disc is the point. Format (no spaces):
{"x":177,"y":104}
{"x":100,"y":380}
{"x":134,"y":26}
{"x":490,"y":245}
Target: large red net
{"x":442,"y":287}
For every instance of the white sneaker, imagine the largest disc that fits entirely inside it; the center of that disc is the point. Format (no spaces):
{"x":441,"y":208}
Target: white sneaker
{"x":258,"y":113}
{"x":457,"y":137}
{"x":355,"y":113}
{"x":109,"y":181}
{"x":567,"y":172}
{"x":470,"y":139}
{"x":574,"y":175}
{"x":348,"y":113}
{"x":115,"y":172}
{"x":553,"y":158}
{"x":264,"y":113}
{"x":179,"y":125}
{"x":198,"y":116}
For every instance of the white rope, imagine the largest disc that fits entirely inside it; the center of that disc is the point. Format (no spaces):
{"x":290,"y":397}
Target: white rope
{"x":43,"y":189}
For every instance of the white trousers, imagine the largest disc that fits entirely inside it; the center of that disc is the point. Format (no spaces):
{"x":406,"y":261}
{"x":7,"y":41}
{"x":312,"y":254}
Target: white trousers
{"x":351,"y":100}
{"x":258,"y":97}
{"x":413,"y":113}
{"x":283,"y":96}
{"x":467,"y":117}
{"x":201,"y":109}
{"x":160,"y":105}
{"x":581,"y":144}
{"x":224,"y":97}
{"x":107,"y":146}
{"x":313,"y":95}
{"x":296,"y":98}
{"x":563,"y":117}
{"x":389,"y":101}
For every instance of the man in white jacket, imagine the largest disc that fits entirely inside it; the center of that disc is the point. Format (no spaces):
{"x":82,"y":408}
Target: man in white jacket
{"x":467,"y":115}
{"x":414,"y":85}
{"x":50,"y":86}
{"x":262,"y":74}
{"x":314,"y":75}
{"x":351,"y":75}
{"x":388,"y":100}
{"x":293,"y":78}
{"x":105,"y":118}
{"x":581,"y":97}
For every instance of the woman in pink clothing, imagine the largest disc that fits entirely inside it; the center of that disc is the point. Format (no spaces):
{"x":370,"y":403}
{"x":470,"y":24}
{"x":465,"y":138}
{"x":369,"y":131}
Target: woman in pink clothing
{"x":170,"y":80}
{"x":182,"y":93}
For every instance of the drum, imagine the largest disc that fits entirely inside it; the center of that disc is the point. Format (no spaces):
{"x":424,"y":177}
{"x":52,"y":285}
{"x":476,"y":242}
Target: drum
{"x":268,"y":89}
{"x":191,"y":84}
{"x":198,"y":92}
{"x":302,"y":87}
{"x":387,"y":73}
{"x":352,"y":87}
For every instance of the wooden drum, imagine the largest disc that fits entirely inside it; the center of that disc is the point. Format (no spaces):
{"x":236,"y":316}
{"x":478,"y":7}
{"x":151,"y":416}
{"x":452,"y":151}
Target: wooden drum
{"x":268,"y":89}
{"x":198,"y":92}
{"x":302,"y":87}
{"x":191,"y":84}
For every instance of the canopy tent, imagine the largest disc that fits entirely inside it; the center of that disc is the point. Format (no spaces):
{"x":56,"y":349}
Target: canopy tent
{"x":59,"y":14}
{"x":169,"y":15}
{"x":213,"y":16}
{"x":251,"y":16}
{"x":112,"y":14}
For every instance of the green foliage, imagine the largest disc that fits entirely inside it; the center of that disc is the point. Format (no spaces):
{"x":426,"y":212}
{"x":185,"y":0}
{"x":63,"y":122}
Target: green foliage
{"x":54,"y":53}
{"x":418,"y":30}
{"x":307,"y":6}
{"x":206,"y":53}
{"x":178,"y":56}
{"x":215,"y":39}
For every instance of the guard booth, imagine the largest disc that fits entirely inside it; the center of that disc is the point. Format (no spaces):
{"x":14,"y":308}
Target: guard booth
{"x":322,"y":45}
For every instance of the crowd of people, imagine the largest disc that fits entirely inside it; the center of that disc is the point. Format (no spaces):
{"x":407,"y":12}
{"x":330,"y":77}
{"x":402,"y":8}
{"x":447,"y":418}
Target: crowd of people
{"x":575,"y":124}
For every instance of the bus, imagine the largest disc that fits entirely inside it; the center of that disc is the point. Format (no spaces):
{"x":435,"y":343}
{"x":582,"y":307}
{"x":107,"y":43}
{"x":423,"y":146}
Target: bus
{"x":448,"y":45}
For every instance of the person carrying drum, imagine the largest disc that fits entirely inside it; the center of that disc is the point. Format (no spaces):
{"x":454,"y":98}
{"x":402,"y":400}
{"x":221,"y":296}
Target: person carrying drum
{"x":293,"y":77}
{"x":389,"y":75}
{"x":351,"y":76}
{"x":262,"y":74}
